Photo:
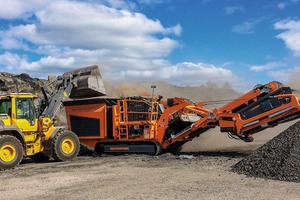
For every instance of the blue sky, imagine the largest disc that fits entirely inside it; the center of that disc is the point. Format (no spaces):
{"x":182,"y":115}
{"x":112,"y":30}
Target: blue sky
{"x":185,"y":42}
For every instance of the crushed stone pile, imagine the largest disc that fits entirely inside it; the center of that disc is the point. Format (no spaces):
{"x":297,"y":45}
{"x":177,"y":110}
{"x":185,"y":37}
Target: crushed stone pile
{"x":279,"y":159}
{"x":10,"y":83}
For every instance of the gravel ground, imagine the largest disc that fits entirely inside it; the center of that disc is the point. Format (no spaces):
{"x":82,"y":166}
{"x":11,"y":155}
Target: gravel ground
{"x":206,"y":175}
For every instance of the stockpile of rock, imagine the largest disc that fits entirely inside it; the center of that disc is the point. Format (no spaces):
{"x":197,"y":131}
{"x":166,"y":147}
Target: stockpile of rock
{"x":278,"y":159}
{"x":20,"y":83}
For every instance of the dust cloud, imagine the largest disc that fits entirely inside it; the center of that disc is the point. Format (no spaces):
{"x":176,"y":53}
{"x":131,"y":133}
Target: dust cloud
{"x":214,"y":140}
{"x":294,"y":83}
{"x":210,"y":93}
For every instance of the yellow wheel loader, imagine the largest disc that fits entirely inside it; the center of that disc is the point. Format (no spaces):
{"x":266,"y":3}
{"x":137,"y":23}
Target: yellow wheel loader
{"x":27,"y":128}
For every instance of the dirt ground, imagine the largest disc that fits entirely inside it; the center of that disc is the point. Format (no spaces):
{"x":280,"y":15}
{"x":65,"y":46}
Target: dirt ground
{"x":206,"y":176}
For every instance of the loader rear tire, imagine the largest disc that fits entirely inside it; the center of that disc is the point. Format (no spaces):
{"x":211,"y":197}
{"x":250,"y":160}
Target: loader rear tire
{"x":40,"y":157}
{"x":11,"y":152}
{"x":65,"y":146}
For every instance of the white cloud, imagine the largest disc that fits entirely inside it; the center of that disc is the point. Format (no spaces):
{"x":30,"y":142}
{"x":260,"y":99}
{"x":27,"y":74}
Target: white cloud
{"x":42,"y":67}
{"x":193,"y":74}
{"x":291,"y":34}
{"x":13,"y":38}
{"x":282,"y":5}
{"x":11,"y":43}
{"x":115,"y":68}
{"x":151,"y":2}
{"x":83,"y":25}
{"x":244,"y":28}
{"x":11,"y":9}
{"x":11,"y":61}
{"x":91,"y":34}
{"x":248,"y":27}
{"x":183,"y":74}
{"x":279,"y":71}
{"x":284,"y":75}
{"x":232,"y":9}
{"x":125,"y":44}
{"x":266,"y":67}
{"x":119,"y":4}
{"x":186,"y":73}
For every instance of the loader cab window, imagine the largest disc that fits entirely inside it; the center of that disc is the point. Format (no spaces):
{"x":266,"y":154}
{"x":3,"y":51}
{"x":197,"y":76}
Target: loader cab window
{"x":25,"y":109}
{"x":5,"y":106}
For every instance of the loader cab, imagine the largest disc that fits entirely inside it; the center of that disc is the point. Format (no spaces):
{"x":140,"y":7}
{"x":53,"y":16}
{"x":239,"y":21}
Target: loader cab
{"x":5,"y":110}
{"x":20,"y":111}
{"x":5,"y":105}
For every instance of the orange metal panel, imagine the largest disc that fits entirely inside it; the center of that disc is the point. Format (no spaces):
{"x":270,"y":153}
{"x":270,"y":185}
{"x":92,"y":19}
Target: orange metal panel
{"x":96,"y":111}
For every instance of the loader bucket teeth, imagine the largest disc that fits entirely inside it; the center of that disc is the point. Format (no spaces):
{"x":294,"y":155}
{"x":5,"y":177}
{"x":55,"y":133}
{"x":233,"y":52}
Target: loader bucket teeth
{"x":88,"y":82}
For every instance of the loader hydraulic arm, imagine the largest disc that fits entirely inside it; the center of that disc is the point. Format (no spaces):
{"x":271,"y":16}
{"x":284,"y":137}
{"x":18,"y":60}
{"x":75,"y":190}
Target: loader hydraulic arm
{"x":79,"y":83}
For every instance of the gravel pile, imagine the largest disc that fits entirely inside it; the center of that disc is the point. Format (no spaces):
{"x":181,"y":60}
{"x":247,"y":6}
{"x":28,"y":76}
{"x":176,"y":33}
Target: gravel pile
{"x":10,"y":83}
{"x":278,"y":159}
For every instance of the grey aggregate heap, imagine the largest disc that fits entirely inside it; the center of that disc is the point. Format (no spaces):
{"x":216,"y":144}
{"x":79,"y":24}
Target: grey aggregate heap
{"x":278,"y":159}
{"x":22,"y":83}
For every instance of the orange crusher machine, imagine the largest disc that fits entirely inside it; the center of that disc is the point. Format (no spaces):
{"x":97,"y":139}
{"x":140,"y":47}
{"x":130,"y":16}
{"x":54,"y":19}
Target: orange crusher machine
{"x":153,"y":126}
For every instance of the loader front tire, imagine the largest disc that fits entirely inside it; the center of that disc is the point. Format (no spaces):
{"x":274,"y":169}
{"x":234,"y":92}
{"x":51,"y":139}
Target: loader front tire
{"x":11,"y":152}
{"x":65,"y":146}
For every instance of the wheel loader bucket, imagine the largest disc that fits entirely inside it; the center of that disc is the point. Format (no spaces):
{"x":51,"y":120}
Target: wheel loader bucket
{"x":87,"y":82}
